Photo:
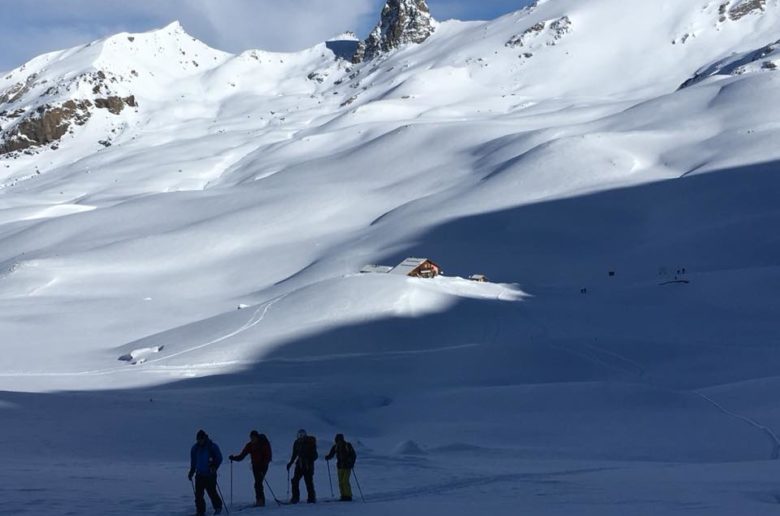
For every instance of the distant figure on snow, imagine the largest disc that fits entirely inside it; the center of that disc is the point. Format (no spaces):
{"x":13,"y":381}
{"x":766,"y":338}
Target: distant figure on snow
{"x":259,"y":448}
{"x":304,"y":453}
{"x":205,"y":459}
{"x":345,"y":461}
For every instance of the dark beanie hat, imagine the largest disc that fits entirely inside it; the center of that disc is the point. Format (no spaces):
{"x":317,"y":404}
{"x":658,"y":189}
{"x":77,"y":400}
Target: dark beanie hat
{"x":201,"y":435}
{"x":339,"y":438}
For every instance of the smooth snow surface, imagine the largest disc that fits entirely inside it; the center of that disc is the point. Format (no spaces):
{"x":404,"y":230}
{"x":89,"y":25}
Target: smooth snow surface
{"x":202,"y":271}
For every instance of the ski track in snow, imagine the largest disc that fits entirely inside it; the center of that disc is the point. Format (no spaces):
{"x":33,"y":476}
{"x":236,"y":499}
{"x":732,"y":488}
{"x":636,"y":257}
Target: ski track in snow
{"x":251,"y":323}
{"x":775,"y":454}
{"x":262,"y":311}
{"x":374,"y":354}
{"x":639,"y":370}
{"x":471,"y":482}
{"x":752,"y":422}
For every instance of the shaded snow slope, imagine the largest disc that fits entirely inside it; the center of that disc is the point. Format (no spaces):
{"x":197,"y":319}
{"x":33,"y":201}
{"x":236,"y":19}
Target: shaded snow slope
{"x":199,"y":267}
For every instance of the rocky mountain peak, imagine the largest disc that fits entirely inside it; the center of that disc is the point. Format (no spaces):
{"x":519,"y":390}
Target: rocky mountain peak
{"x":402,"y":22}
{"x":736,"y":9}
{"x":47,"y":98}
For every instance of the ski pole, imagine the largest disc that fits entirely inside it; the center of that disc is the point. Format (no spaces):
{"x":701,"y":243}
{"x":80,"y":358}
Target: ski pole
{"x":272,"y":492}
{"x":329,"y":480}
{"x":193,"y":487}
{"x":219,"y":490}
{"x":288,"y":483}
{"x":354,"y":474}
{"x":231,"y":483}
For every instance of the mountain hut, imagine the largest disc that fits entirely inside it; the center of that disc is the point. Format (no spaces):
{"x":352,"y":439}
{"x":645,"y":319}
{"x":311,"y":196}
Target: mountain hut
{"x":417,"y":268}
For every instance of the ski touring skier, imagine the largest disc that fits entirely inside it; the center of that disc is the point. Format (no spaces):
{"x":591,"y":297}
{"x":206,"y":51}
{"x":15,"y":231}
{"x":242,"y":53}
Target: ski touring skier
{"x":259,"y":449}
{"x":345,"y":461}
{"x":205,"y":459}
{"x":304,"y":453}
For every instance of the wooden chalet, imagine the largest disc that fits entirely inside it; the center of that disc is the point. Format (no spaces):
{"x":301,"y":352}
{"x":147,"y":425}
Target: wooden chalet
{"x":417,"y":268}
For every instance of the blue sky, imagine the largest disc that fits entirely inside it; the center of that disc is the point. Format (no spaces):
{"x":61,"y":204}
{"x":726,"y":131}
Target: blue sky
{"x":33,"y":27}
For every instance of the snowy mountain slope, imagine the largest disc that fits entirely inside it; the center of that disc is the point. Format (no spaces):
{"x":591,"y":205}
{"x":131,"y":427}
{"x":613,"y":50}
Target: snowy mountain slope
{"x":216,"y":242}
{"x":508,"y":151}
{"x":461,"y":48}
{"x":764,"y":59}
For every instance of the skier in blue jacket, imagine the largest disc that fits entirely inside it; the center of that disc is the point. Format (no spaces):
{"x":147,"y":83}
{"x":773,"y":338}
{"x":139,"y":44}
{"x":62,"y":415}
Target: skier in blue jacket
{"x":205,"y":459}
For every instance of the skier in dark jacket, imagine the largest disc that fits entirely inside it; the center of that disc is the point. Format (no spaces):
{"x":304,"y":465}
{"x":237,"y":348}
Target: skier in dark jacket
{"x":345,"y":461}
{"x":205,"y":459}
{"x":259,"y":448}
{"x":304,"y":454}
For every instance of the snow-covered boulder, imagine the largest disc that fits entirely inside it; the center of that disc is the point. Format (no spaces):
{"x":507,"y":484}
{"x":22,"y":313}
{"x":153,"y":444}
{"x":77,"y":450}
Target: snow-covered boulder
{"x":408,"y":448}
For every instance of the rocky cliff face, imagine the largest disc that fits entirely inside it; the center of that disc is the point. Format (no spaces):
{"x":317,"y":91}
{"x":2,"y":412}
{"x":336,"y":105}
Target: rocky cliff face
{"x":44,"y":120}
{"x":735,"y":10}
{"x":402,"y":22}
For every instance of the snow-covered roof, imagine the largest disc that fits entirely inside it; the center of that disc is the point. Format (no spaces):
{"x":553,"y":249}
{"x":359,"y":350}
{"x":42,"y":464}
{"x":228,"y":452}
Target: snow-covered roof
{"x":408,"y":265}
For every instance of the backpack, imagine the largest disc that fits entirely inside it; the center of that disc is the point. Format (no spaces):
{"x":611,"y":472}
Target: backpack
{"x":310,"y":443}
{"x":265,"y":446}
{"x":214,"y":457}
{"x":351,"y":456}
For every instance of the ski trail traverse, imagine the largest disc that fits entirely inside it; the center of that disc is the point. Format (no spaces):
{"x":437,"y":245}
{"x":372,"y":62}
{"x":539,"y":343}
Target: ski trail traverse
{"x":257,"y":318}
{"x":752,"y":422}
{"x":641,"y":373}
{"x":470,"y":482}
{"x":251,"y":323}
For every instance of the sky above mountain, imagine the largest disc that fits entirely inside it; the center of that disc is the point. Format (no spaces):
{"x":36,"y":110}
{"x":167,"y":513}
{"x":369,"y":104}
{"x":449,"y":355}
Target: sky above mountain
{"x":33,"y":28}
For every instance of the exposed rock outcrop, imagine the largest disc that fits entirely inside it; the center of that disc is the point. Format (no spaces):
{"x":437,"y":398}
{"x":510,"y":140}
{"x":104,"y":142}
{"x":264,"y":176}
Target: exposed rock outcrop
{"x":737,"y":9}
{"x":18,"y":90}
{"x":33,"y":113}
{"x":46,"y":125}
{"x":520,"y":40}
{"x":402,"y":22}
{"x":115,"y":105}
{"x":543,"y":33}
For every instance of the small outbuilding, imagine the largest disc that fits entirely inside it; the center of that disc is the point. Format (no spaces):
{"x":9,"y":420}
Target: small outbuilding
{"x":376,"y":269}
{"x":480,"y":278}
{"x":417,"y":268}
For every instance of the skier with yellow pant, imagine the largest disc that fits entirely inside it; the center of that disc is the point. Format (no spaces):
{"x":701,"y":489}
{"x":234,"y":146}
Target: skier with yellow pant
{"x":345,"y":461}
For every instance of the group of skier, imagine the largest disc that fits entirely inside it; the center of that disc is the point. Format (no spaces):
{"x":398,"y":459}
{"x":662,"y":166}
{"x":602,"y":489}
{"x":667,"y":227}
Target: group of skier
{"x":206,"y":457}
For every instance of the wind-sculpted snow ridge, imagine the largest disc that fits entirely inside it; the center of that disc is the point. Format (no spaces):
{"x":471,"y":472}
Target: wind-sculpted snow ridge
{"x":765,"y":59}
